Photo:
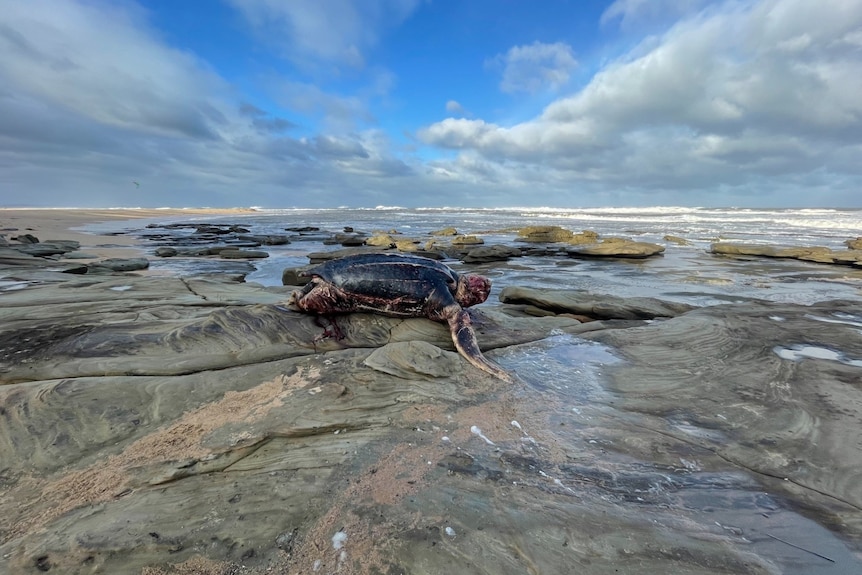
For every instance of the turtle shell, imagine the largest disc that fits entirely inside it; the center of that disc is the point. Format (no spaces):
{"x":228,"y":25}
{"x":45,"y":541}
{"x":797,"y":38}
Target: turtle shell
{"x":388,"y":277}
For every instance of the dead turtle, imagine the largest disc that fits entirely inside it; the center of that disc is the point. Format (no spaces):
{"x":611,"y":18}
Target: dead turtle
{"x":400,"y":285}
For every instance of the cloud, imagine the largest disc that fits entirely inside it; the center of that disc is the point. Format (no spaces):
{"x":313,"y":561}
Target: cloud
{"x":535,"y":67}
{"x":726,"y":97}
{"x":334,"y":31}
{"x":263,"y":121}
{"x":100,"y":62}
{"x":453,"y":107}
{"x":92,"y":98}
{"x":633,"y":13}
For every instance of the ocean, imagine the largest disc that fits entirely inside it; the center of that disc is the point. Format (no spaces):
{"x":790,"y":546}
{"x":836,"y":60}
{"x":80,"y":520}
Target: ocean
{"x":686,"y":273}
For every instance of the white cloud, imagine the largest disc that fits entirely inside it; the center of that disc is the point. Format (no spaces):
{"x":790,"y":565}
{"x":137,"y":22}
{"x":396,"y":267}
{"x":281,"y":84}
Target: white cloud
{"x":91,"y":98}
{"x":535,"y":67}
{"x":633,"y":13}
{"x":334,"y":31}
{"x":101,"y":62}
{"x":726,"y":97}
{"x":454,"y":107}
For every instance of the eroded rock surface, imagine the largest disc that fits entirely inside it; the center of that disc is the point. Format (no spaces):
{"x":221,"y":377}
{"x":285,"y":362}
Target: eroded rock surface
{"x":194,"y":425}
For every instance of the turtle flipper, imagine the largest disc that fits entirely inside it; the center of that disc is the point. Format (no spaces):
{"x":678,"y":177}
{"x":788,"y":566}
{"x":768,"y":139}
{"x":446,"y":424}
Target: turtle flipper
{"x":464,"y":338}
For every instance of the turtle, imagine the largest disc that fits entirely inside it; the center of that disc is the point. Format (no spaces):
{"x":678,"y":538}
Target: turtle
{"x":400,"y":285}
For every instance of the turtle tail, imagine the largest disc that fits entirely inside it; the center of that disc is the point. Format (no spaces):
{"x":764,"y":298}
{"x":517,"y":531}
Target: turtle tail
{"x":464,"y":338}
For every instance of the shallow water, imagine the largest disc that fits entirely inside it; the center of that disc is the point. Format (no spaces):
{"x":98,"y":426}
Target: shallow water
{"x":564,"y":377}
{"x":686,"y":273}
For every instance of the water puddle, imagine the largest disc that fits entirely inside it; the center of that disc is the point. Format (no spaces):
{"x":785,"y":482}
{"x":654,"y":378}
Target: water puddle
{"x":13,"y":285}
{"x":563,"y":364}
{"x":838,"y":317}
{"x":800,"y":352}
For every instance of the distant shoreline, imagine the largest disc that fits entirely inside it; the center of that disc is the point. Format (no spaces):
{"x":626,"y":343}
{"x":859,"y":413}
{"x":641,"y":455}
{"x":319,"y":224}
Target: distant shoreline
{"x":60,"y":223}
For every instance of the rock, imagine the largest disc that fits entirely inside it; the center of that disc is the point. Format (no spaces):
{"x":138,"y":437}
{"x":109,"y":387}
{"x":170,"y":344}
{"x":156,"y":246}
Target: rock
{"x":265,"y":240}
{"x":583,"y":303}
{"x":677,"y":240}
{"x":79,"y":256}
{"x":236,"y":254}
{"x":485,"y":254}
{"x":406,"y":246}
{"x":291,"y":277}
{"x":380,"y":240}
{"x":410,"y":359}
{"x":584,"y":237}
{"x":849,"y":257}
{"x":854,"y":244}
{"x":544,"y":234}
{"x":816,"y":254}
{"x":166,"y":252}
{"x":467,"y":241}
{"x":26,"y":239}
{"x":350,"y":240}
{"x":181,"y":422}
{"x":77,"y":269}
{"x":43,"y":249}
{"x":304,"y":229}
{"x":123,"y":264}
{"x":450,"y":231}
{"x":320,"y":257}
{"x":207,"y":229}
{"x":618,"y":248}
{"x":69,"y":245}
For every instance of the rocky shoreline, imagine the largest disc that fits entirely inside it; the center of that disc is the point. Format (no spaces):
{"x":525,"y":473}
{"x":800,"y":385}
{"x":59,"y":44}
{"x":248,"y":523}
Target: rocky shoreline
{"x":155,"y":424}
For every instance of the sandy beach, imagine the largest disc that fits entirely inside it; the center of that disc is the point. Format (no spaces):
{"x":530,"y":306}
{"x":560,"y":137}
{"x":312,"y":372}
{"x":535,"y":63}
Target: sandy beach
{"x":59,"y":223}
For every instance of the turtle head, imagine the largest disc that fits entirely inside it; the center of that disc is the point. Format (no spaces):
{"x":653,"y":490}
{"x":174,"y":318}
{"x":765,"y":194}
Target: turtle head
{"x":472,"y":290}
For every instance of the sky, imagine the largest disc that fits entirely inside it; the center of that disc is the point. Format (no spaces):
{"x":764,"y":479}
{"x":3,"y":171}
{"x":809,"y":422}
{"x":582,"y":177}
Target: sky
{"x":430,"y":103}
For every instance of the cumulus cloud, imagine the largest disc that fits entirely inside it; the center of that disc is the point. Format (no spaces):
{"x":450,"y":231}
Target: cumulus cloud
{"x":336,"y":31}
{"x":535,"y":67}
{"x":751,"y":90}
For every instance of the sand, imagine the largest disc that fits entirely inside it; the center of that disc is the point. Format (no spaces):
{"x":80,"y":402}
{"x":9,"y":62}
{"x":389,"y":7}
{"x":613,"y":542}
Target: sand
{"x":56,"y":224}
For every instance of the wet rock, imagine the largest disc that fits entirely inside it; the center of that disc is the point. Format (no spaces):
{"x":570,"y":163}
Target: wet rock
{"x":406,"y":246}
{"x":854,"y":244}
{"x":544,"y":234}
{"x":265,"y":240}
{"x":26,"y":239}
{"x":414,"y":359}
{"x":816,"y":254}
{"x":584,"y":237}
{"x":123,"y":264}
{"x":320,"y":257}
{"x":617,"y":248}
{"x":349,"y":239}
{"x":237,"y":254}
{"x":486,"y":254}
{"x":182,"y":422}
{"x":467,"y":241}
{"x":450,"y":231}
{"x":166,"y":252}
{"x":602,"y":306}
{"x":42,"y":250}
{"x":76,"y":255}
{"x":677,"y":240}
{"x":291,"y":277}
{"x":305,"y":229}
{"x":380,"y":240}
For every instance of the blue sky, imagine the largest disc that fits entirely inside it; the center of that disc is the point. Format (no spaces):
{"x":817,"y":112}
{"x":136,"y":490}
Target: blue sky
{"x":325,"y":103}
